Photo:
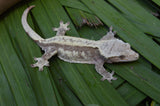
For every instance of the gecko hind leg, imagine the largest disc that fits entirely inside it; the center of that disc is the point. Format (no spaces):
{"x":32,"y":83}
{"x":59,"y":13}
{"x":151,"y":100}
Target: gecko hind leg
{"x":62,"y":29}
{"x":43,"y":61}
{"x":105,"y":74}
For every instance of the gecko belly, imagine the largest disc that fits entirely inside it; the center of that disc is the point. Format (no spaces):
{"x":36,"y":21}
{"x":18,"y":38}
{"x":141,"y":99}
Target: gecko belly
{"x":78,"y":54}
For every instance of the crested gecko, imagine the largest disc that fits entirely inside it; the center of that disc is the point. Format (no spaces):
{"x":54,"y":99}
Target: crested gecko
{"x":79,"y":50}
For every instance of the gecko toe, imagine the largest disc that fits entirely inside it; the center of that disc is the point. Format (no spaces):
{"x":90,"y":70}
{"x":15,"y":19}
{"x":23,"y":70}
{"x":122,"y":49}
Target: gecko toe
{"x":33,"y":65}
{"x":114,"y":78}
{"x":36,"y":59}
{"x":55,"y":29}
{"x":67,"y":23}
{"x":40,"y":68}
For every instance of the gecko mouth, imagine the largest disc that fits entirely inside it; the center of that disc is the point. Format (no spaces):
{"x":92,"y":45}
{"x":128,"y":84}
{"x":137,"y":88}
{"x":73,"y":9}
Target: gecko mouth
{"x":123,"y":58}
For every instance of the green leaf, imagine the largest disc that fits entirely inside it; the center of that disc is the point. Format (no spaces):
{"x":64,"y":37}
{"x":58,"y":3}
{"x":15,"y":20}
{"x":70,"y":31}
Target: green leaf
{"x":79,"y":84}
{"x":149,"y":25}
{"x":131,"y":94}
{"x":5,"y":90}
{"x":140,"y":76}
{"x":69,"y":98}
{"x":81,"y":18}
{"x":157,"y":2}
{"x":75,"y":4}
{"x":15,"y":73}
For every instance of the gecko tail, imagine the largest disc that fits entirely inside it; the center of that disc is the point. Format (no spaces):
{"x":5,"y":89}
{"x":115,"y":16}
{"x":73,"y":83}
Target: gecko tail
{"x":27,"y":28}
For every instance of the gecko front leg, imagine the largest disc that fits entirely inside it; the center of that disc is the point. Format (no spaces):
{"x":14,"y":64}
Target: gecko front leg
{"x":109,"y":35}
{"x":102,"y":71}
{"x":43,"y":61}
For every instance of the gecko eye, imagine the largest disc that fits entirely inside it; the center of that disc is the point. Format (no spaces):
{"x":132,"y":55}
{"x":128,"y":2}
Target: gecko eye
{"x":122,"y":56}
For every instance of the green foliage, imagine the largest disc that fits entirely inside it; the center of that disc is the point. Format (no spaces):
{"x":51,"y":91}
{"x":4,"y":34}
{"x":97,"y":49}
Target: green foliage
{"x":78,"y":84}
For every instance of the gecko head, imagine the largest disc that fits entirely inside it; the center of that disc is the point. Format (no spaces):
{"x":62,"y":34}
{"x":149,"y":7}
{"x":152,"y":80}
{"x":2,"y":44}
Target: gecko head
{"x":124,"y":54}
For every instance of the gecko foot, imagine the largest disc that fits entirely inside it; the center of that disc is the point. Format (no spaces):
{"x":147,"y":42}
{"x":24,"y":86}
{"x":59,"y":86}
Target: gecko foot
{"x":108,"y":76}
{"x":40,"y":63}
{"x":62,"y":29}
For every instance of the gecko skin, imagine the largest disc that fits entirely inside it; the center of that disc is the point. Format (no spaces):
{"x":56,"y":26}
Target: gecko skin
{"x":78,"y":50}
